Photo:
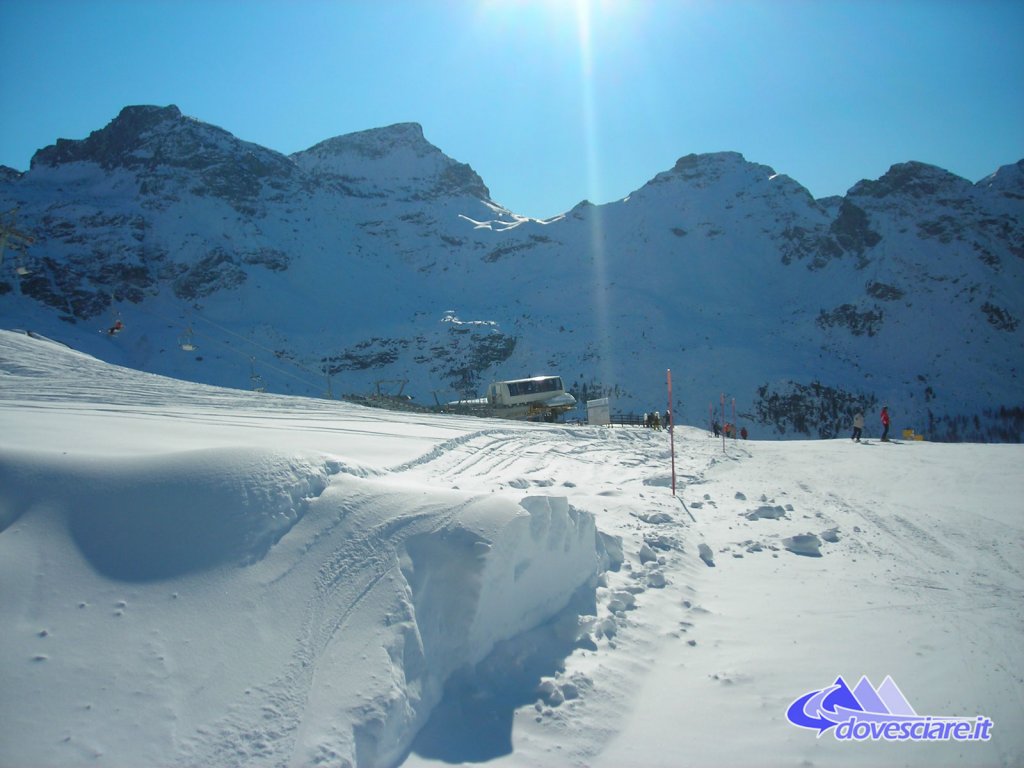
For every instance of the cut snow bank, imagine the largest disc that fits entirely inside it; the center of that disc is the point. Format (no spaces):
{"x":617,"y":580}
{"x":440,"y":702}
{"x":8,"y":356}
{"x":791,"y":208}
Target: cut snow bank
{"x":491,"y":572}
{"x":503,"y":570}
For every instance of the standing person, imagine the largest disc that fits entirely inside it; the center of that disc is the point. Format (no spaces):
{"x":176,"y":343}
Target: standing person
{"x":885,"y":424}
{"x":858,"y":426}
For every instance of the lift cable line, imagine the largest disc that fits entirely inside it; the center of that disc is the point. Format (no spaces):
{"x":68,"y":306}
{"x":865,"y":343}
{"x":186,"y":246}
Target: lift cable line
{"x":187,"y":339}
{"x":13,"y":238}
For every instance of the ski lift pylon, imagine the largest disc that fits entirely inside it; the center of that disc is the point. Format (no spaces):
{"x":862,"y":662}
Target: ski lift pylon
{"x":257,"y":381}
{"x":186,"y":342}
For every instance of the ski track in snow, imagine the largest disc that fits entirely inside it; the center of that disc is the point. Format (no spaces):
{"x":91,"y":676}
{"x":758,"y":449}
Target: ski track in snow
{"x":346,"y":576}
{"x":575,"y":731}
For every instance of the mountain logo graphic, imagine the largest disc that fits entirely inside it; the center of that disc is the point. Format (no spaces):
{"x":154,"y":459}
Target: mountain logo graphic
{"x":883,"y":713}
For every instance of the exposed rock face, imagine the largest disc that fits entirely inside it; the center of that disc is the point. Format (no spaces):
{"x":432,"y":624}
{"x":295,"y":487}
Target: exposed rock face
{"x":356,"y":259}
{"x":173,"y":155}
{"x":119,"y":144}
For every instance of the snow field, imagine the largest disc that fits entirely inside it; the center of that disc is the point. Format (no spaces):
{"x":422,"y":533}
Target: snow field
{"x":368,"y":588}
{"x":920,"y":576}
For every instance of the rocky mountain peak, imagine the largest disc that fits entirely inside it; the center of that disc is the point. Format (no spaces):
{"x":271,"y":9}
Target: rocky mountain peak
{"x":375,"y":143}
{"x":705,"y":169}
{"x":715,"y":169}
{"x":914,"y":180}
{"x":722,"y":178}
{"x":112,"y":145}
{"x":1008,"y":180}
{"x":161,"y":141}
{"x":694,"y":163}
{"x":398,"y":159}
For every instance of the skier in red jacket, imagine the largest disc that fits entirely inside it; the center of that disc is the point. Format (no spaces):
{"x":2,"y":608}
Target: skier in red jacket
{"x":885,"y":424}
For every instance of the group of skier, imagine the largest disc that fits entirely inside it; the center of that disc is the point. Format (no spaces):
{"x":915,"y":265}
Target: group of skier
{"x":653,"y":420}
{"x":729,"y":430}
{"x":858,"y":425}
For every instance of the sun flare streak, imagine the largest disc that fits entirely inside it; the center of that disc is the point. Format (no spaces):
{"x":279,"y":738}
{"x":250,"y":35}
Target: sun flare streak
{"x":598,"y":253}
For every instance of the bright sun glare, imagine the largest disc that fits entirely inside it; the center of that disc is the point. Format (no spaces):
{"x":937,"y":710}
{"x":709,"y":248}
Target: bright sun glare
{"x":582,"y":22}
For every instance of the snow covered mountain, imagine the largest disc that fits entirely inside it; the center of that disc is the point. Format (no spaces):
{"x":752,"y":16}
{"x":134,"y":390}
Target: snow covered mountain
{"x":374,"y":258}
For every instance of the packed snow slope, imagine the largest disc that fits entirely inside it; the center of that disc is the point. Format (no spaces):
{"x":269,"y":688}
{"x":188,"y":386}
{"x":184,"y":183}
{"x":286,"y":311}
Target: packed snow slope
{"x":375,"y":256}
{"x":192,"y":575}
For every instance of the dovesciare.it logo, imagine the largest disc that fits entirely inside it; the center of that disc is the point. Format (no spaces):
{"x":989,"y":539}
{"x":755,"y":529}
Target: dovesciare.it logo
{"x":867,"y":713}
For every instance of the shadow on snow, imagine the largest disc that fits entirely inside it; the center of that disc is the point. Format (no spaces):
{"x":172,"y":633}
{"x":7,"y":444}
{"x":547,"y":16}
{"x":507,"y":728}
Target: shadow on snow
{"x":473,"y":722}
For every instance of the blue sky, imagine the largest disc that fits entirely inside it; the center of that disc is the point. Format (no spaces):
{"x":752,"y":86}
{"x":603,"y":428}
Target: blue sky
{"x":550,"y":101}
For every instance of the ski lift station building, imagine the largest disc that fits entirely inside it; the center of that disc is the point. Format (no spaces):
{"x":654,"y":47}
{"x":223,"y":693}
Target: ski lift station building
{"x":540,"y":397}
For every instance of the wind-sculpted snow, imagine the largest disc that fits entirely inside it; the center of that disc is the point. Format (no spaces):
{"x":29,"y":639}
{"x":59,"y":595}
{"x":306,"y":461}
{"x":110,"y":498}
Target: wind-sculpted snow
{"x":347,"y":574}
{"x":169,"y":515}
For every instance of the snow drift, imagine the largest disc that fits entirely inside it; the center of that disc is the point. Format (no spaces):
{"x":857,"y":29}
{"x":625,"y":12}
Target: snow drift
{"x":345,"y":598}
